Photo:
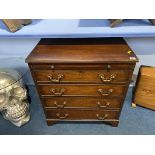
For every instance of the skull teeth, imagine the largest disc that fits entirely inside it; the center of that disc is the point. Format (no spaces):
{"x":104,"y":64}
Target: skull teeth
{"x":15,"y":113}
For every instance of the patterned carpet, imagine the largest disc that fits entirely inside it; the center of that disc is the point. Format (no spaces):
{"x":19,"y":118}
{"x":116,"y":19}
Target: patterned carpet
{"x":132,"y":122}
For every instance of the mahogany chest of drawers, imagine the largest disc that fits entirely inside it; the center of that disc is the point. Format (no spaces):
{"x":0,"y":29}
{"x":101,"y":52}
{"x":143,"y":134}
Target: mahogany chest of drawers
{"x":82,"y":79}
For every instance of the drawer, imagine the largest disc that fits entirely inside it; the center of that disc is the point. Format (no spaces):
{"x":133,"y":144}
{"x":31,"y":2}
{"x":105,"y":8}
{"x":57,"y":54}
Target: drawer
{"x":81,"y":102}
{"x":81,"y":90}
{"x":82,"y":76}
{"x":63,"y":114}
{"x":87,"y":66}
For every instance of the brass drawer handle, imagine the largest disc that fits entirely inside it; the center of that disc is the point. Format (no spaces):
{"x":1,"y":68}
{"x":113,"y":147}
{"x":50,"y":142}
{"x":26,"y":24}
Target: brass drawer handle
{"x":103,"y":106}
{"x":59,"y":78}
{"x":58,"y":92}
{"x":60,"y":105}
{"x":101,"y":117}
{"x":105,"y":93}
{"x":62,"y":116}
{"x":104,"y":79}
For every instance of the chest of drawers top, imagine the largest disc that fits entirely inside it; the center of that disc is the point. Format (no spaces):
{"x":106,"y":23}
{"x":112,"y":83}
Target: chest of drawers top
{"x":99,"y":50}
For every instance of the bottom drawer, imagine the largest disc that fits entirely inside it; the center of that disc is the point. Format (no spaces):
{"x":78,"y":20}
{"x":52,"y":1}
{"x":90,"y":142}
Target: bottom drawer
{"x":81,"y":114}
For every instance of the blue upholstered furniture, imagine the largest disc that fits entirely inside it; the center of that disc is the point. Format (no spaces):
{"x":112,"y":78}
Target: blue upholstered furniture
{"x":51,"y":28}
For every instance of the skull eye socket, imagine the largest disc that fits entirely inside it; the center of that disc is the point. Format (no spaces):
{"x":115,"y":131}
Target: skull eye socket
{"x":19,"y":92}
{"x":2,"y":98}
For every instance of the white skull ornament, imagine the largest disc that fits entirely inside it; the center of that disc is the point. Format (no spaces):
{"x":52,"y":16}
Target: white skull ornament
{"x":13,"y":99}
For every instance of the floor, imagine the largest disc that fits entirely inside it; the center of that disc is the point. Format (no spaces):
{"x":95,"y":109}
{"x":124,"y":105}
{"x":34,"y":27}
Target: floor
{"x":132,"y":122}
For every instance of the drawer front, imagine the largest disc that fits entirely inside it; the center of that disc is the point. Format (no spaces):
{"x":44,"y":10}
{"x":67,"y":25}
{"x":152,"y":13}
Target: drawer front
{"x":73,"y":66}
{"x":81,"y":102}
{"x":81,"y":90}
{"x":82,"y":76}
{"x":81,"y":114}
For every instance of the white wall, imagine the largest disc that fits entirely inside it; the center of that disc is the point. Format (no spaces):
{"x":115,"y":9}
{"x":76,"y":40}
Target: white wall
{"x":14,"y":51}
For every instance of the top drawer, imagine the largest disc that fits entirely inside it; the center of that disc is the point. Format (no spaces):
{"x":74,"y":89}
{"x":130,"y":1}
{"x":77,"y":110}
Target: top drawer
{"x":82,"y":73}
{"x":82,"y":76}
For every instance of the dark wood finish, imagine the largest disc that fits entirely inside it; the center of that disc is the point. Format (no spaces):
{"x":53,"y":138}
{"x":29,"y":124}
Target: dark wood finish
{"x":74,"y":114}
{"x":82,"y":79}
{"x":81,"y":90}
{"x":82,"y":102}
{"x":73,"y":66}
{"x":100,"y":53}
{"x":114,"y":123}
{"x":82,"y":54}
{"x":82,"y":76}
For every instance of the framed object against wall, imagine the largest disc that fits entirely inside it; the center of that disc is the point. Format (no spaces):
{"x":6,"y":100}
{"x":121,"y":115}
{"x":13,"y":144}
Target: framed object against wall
{"x":16,"y":24}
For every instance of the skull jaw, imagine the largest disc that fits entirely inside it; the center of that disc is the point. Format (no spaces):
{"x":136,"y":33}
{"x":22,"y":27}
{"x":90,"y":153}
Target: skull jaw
{"x":17,"y":113}
{"x":20,"y":121}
